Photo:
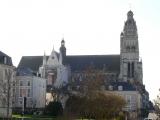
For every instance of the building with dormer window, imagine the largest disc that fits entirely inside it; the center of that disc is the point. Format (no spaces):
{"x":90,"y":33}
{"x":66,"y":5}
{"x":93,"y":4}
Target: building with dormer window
{"x":7,"y":74}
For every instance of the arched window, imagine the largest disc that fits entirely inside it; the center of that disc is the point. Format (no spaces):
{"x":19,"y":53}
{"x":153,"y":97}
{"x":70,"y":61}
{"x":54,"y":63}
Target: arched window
{"x":120,"y":88}
{"x":128,"y":71}
{"x":133,"y":48}
{"x":127,"y":48}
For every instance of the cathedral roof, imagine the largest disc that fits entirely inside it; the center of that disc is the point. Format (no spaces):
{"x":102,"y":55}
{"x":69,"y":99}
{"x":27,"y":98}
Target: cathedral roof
{"x":24,"y":72}
{"x":81,"y":62}
{"x":77,"y":62}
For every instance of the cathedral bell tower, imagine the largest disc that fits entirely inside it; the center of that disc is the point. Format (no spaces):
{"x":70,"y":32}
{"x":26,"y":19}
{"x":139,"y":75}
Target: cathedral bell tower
{"x":130,"y":66}
{"x":63,"y":53}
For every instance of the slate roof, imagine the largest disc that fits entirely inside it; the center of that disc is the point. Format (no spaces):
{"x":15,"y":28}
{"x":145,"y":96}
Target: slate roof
{"x":81,"y":62}
{"x":31,"y":62}
{"x":8,"y":59}
{"x":77,"y":62}
{"x":24,"y":72}
{"x":126,"y":86}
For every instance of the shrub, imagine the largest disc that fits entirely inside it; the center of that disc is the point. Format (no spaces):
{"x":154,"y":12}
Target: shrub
{"x":54,"y":109}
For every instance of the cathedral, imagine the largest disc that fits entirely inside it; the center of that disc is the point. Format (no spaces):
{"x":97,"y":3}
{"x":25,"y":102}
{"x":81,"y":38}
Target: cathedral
{"x":58,"y":68}
{"x":123,"y":70}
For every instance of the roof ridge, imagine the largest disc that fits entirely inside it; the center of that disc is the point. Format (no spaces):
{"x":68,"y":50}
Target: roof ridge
{"x":4,"y":54}
{"x":97,"y":55}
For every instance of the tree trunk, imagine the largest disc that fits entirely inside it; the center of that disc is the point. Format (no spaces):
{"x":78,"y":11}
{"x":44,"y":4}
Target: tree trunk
{"x":8,"y":98}
{"x":8,"y":91}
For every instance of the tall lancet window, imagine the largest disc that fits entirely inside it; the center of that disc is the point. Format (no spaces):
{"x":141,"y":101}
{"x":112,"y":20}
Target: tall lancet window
{"x":132,"y":69}
{"x":128,"y":74}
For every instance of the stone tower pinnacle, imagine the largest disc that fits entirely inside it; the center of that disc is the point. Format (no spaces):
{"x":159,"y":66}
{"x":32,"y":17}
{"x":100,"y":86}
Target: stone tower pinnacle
{"x":44,"y":59}
{"x":129,"y":59}
{"x":63,"y":52}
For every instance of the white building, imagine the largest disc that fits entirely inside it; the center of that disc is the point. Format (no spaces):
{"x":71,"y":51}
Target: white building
{"x":6,"y":85}
{"x":129,"y":93}
{"x":54,"y":69}
{"x":31,"y":87}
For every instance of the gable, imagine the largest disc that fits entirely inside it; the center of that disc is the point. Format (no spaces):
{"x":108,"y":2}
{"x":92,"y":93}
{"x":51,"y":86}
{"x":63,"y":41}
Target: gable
{"x":32,"y":62}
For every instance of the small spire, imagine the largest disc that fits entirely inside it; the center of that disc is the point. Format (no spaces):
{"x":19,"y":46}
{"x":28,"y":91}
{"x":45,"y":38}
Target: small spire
{"x":44,"y":53}
{"x":122,"y":34}
{"x":63,"y":42}
{"x":53,"y":48}
{"x":44,"y":59}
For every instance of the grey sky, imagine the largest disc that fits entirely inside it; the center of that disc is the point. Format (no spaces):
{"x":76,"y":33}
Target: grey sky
{"x":30,"y":27}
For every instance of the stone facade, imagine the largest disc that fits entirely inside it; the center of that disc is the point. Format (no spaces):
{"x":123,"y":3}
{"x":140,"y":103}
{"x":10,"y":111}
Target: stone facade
{"x":32,"y":88}
{"x":130,"y":64}
{"x":54,"y":69}
{"x":7,"y":75}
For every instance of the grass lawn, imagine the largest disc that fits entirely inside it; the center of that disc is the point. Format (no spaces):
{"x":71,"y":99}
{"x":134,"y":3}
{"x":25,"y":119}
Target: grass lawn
{"x":38,"y":117}
{"x":34,"y":117}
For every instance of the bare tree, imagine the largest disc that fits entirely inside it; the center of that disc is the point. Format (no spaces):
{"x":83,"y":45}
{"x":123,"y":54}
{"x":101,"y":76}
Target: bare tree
{"x":9,"y":77}
{"x":91,"y":101}
{"x":6,"y":90}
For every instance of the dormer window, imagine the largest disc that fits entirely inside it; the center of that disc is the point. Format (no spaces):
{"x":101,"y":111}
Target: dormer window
{"x":110,"y":87}
{"x":120,"y":88}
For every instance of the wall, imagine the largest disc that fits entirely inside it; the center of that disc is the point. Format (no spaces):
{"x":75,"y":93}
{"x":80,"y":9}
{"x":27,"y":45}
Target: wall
{"x":37,"y":96}
{"x":6,"y":82}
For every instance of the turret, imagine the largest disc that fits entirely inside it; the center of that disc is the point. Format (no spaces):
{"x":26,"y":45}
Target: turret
{"x":63,"y":52}
{"x":44,"y":59}
{"x":130,"y":15}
